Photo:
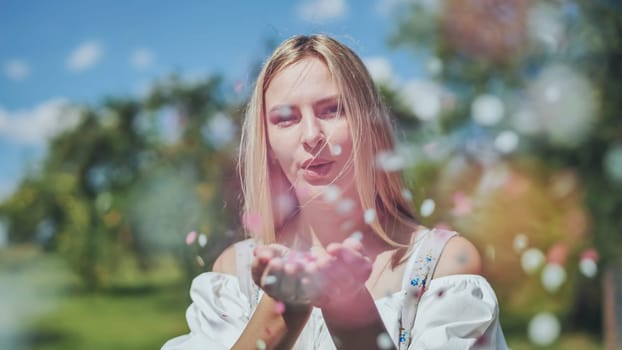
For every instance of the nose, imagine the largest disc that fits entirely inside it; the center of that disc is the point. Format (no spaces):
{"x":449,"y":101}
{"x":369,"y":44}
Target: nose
{"x":312,"y":136}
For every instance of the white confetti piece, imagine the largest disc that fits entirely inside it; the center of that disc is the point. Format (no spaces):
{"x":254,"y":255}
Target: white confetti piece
{"x":487,"y":109}
{"x":384,"y":341}
{"x":544,"y":329}
{"x":531,"y":260}
{"x":588,"y":267}
{"x":336,"y":150}
{"x":369,"y":216}
{"x":202,"y":240}
{"x":553,"y":276}
{"x":520,"y":242}
{"x":427,"y":207}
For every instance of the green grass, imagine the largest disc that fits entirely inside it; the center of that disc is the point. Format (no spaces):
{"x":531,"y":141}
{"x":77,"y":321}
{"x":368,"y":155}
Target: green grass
{"x":49,"y":312}
{"x":46,"y":310}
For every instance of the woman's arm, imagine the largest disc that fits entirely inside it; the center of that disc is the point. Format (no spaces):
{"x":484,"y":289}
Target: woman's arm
{"x":276,"y":328}
{"x":355,"y":323}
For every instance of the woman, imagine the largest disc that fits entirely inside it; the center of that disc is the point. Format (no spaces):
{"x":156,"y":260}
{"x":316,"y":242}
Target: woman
{"x":340,"y":261}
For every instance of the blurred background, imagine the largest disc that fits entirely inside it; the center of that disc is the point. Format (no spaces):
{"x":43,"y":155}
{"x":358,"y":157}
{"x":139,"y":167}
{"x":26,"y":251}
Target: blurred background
{"x":119,"y":128}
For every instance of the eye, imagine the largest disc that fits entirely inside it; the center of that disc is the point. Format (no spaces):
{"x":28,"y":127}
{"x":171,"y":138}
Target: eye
{"x":331,"y":111}
{"x":283,"y":116}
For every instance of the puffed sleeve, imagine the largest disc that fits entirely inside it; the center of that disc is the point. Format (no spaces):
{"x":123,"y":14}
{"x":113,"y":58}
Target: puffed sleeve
{"x":458,"y":312}
{"x":217,"y":316}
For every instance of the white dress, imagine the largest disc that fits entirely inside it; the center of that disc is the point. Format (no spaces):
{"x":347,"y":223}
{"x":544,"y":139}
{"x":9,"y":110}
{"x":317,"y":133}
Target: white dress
{"x":455,"y":312}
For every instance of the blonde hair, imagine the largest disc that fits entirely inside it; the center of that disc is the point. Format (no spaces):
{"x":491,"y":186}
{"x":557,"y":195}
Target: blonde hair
{"x":370,"y":127}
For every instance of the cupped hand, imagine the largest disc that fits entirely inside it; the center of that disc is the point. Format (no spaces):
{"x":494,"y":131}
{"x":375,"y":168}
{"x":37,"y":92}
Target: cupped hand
{"x":279,"y":272}
{"x":319,"y":277}
{"x":337,"y":275}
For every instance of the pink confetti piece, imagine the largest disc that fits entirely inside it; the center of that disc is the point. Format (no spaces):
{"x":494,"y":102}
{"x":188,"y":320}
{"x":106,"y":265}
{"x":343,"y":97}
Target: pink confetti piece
{"x":557,"y":254}
{"x":238,"y":86}
{"x":191,"y":237}
{"x":590,"y":254}
{"x":481,"y":341}
{"x":429,"y":148}
{"x":279,"y":308}
{"x":462,"y":204}
{"x":252,"y":222}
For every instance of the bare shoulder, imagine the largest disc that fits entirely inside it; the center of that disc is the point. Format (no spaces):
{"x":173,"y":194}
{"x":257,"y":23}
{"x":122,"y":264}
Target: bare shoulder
{"x":459,"y":257}
{"x":226,"y":261}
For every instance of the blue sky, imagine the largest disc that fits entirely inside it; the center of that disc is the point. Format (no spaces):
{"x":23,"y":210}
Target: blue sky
{"x":52,"y":52}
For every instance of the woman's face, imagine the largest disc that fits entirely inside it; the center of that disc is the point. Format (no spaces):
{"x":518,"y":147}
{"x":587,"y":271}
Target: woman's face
{"x":308,"y":132}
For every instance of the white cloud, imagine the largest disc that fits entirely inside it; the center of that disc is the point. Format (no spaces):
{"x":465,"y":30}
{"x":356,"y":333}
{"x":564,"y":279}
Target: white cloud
{"x":35,"y":126}
{"x":322,"y":10}
{"x":16,"y":69}
{"x":380,"y":69}
{"x":389,"y":7}
{"x":142,"y":58}
{"x":84,"y":56}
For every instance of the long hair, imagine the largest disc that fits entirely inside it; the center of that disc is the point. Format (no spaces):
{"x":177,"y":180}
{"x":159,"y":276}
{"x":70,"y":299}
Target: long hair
{"x":370,"y":126}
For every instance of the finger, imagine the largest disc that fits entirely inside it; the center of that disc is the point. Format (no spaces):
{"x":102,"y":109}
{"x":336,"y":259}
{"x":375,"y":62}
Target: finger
{"x":353,"y":243}
{"x":257,"y":270}
{"x":271,"y":276}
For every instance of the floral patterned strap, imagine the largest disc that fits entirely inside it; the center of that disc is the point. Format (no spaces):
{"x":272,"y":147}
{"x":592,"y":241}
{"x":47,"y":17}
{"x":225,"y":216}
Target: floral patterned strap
{"x":426,"y":258}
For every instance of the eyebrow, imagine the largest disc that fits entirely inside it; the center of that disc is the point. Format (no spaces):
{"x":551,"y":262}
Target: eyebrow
{"x":319,"y":102}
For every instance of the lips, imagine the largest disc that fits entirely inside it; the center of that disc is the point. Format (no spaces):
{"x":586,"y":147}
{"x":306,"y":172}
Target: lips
{"x":316,"y":169}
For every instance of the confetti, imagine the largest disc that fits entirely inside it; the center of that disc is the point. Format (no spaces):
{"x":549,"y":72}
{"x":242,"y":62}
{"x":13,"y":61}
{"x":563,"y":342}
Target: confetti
{"x":407,"y":195}
{"x":590,"y":253}
{"x":520,"y":242}
{"x":279,"y":307}
{"x":190,"y":237}
{"x":543,"y":329}
{"x":506,"y":142}
{"x":268,"y":280}
{"x":332,"y":193}
{"x":384,"y":341}
{"x":357,"y":235}
{"x":202,"y":240}
{"x":389,"y":161}
{"x":345,"y":206}
{"x":588,"y":267}
{"x":531,"y":260}
{"x":481,"y":341}
{"x":219,"y":130}
{"x":613,"y":163}
{"x":252,"y":222}
{"x":424,"y":97}
{"x":200,"y":261}
{"x":336,"y":150}
{"x":557,"y":254}
{"x":487,"y":109}
{"x":261,"y":345}
{"x":427,"y":207}
{"x":434,"y":66}
{"x":369,"y":216}
{"x":491,"y":252}
{"x":553,"y":276}
{"x":238,"y":87}
{"x":462,"y":204}
{"x":347,"y":225}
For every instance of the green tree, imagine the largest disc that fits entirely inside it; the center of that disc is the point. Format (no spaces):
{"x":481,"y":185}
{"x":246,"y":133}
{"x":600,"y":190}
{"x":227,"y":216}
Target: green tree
{"x":554,"y":70}
{"x":132,"y":178}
